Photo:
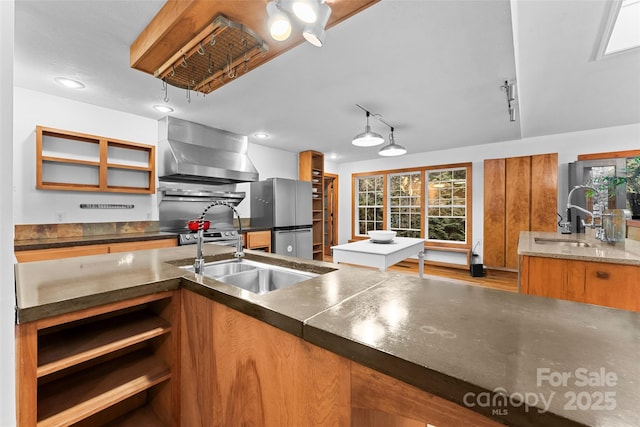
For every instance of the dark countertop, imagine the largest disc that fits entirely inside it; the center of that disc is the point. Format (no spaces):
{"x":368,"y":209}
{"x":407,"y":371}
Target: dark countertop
{"x":453,"y":340}
{"x":63,"y":242}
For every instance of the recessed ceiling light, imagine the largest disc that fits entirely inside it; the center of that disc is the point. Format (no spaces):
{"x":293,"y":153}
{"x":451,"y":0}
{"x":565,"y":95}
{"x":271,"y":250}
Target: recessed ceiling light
{"x":69,"y":83}
{"x":261,"y":135}
{"x":163,"y":108}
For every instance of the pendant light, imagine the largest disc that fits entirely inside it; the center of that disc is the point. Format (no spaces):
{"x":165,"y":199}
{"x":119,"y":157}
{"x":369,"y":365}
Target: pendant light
{"x":367,"y":138}
{"x":392,"y":149}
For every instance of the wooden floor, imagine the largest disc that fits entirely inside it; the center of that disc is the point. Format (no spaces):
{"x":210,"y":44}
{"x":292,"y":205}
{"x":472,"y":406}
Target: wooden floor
{"x":494,"y":279}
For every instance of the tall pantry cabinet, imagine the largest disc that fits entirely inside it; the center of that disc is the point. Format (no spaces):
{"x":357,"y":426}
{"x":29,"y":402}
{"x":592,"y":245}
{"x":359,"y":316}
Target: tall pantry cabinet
{"x":520,"y":194}
{"x":311,"y":168}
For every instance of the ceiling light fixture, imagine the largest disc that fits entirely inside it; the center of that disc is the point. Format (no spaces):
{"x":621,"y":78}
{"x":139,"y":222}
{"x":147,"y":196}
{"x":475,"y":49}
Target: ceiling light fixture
{"x":278,"y":23}
{"x":305,"y":10}
{"x":261,"y":135}
{"x":163,"y":108}
{"x":315,"y":33}
{"x":392,"y":149}
{"x":310,"y":15}
{"x":69,"y":83}
{"x":510,"y":90}
{"x":367,"y":138}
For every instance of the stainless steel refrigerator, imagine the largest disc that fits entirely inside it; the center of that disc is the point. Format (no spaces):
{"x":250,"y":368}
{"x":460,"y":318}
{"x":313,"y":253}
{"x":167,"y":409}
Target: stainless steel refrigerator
{"x":284,"y":205}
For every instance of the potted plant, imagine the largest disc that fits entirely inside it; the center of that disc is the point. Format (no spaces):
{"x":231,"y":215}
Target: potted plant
{"x":607,"y":185}
{"x":632,"y":181}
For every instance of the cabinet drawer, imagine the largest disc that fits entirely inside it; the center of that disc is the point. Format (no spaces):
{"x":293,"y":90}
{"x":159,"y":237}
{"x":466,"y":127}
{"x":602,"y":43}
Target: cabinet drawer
{"x":612,"y":285}
{"x":57,"y":253}
{"x":141,"y":245}
{"x":258,"y":239}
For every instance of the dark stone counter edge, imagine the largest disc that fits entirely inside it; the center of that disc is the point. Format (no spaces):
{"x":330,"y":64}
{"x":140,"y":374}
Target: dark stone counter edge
{"x":25,"y":315}
{"x":25,"y":245}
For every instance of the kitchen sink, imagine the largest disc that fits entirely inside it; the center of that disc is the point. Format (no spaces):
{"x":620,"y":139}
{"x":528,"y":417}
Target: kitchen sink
{"x":253,"y":276}
{"x":562,"y":242}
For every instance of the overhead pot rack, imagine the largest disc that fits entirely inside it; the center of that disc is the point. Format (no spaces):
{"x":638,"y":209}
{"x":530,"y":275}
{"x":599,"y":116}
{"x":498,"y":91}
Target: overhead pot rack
{"x":221,"y":52}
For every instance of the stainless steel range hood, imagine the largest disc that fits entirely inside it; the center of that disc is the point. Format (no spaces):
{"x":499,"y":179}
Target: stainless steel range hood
{"x":191,"y":152}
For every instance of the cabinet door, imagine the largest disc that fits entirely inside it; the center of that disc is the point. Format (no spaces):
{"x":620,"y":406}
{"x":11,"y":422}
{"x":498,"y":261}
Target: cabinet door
{"x":494,"y":203}
{"x":613,"y":285}
{"x":556,"y":278}
{"x":518,"y":205}
{"x":544,"y":192}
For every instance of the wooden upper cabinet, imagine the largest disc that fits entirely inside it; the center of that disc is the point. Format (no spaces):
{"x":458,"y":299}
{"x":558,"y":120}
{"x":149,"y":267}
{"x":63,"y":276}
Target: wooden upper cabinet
{"x":520,"y":194}
{"x":67,"y":160}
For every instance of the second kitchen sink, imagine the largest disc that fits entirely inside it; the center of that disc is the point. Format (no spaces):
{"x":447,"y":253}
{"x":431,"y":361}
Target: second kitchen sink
{"x":562,"y":242}
{"x":252,"y":276}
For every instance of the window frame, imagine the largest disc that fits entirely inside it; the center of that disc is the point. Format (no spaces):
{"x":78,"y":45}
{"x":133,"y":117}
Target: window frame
{"x":423,"y":205}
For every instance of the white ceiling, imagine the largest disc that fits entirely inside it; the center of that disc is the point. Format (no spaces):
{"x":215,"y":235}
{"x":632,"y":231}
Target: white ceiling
{"x":431,"y":68}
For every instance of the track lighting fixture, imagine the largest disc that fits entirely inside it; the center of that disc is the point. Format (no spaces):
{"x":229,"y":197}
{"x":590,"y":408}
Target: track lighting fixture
{"x":279,"y":24}
{"x":510,"y":90}
{"x":369,"y":138}
{"x":315,"y":33}
{"x":310,"y":15}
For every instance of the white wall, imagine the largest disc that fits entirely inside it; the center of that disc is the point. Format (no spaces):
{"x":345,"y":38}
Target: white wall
{"x":567,"y":145}
{"x":33,"y":108}
{"x":7,"y":288}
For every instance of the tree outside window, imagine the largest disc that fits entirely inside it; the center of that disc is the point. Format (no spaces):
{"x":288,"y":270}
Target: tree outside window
{"x":404,"y":203}
{"x":447,"y":205}
{"x":369,"y":204}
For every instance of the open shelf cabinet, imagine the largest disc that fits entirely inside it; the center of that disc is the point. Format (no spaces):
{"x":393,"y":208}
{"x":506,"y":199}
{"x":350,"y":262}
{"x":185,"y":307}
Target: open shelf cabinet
{"x":67,"y":160}
{"x":113,"y":365}
{"x":311,"y":168}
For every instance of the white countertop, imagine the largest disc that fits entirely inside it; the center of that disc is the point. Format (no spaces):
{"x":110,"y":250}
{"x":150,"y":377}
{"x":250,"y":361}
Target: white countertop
{"x":627,"y":252}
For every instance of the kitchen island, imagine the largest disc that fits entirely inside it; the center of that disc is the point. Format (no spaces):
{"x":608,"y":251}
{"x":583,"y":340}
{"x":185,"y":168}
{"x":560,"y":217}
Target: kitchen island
{"x":468,"y":351}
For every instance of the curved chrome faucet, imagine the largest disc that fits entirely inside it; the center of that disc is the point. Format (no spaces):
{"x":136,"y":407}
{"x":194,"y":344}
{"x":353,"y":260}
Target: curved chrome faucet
{"x":570,"y":205}
{"x":598,"y":213}
{"x":198,"y":264}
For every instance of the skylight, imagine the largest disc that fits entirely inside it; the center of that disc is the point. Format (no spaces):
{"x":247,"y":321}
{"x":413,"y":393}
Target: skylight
{"x":625,"y":31}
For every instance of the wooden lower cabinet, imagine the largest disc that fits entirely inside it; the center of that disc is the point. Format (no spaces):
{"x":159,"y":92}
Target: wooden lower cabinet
{"x":237,"y":370}
{"x":257,"y":240}
{"x":610,"y":285}
{"x":108,"y":365}
{"x":100,"y":249}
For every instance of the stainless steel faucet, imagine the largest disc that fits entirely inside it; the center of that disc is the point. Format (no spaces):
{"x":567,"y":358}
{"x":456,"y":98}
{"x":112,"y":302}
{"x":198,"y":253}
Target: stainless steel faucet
{"x":198,"y":264}
{"x":596,"y":214}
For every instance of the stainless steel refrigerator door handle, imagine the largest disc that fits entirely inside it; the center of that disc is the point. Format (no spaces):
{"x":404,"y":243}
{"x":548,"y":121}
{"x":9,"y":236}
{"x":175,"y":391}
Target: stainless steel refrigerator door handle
{"x":305,"y":230}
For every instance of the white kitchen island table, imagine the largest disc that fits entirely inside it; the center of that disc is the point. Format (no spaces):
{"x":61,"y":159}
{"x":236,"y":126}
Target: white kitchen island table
{"x":380,"y":255}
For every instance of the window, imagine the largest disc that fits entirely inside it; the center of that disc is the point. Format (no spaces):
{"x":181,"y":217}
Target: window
{"x":369,"y":204}
{"x":405,"y":204}
{"x":447,"y":205}
{"x":431,"y":202}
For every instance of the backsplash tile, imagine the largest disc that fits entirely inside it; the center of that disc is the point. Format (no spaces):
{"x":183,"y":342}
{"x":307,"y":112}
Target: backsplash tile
{"x":54,"y":231}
